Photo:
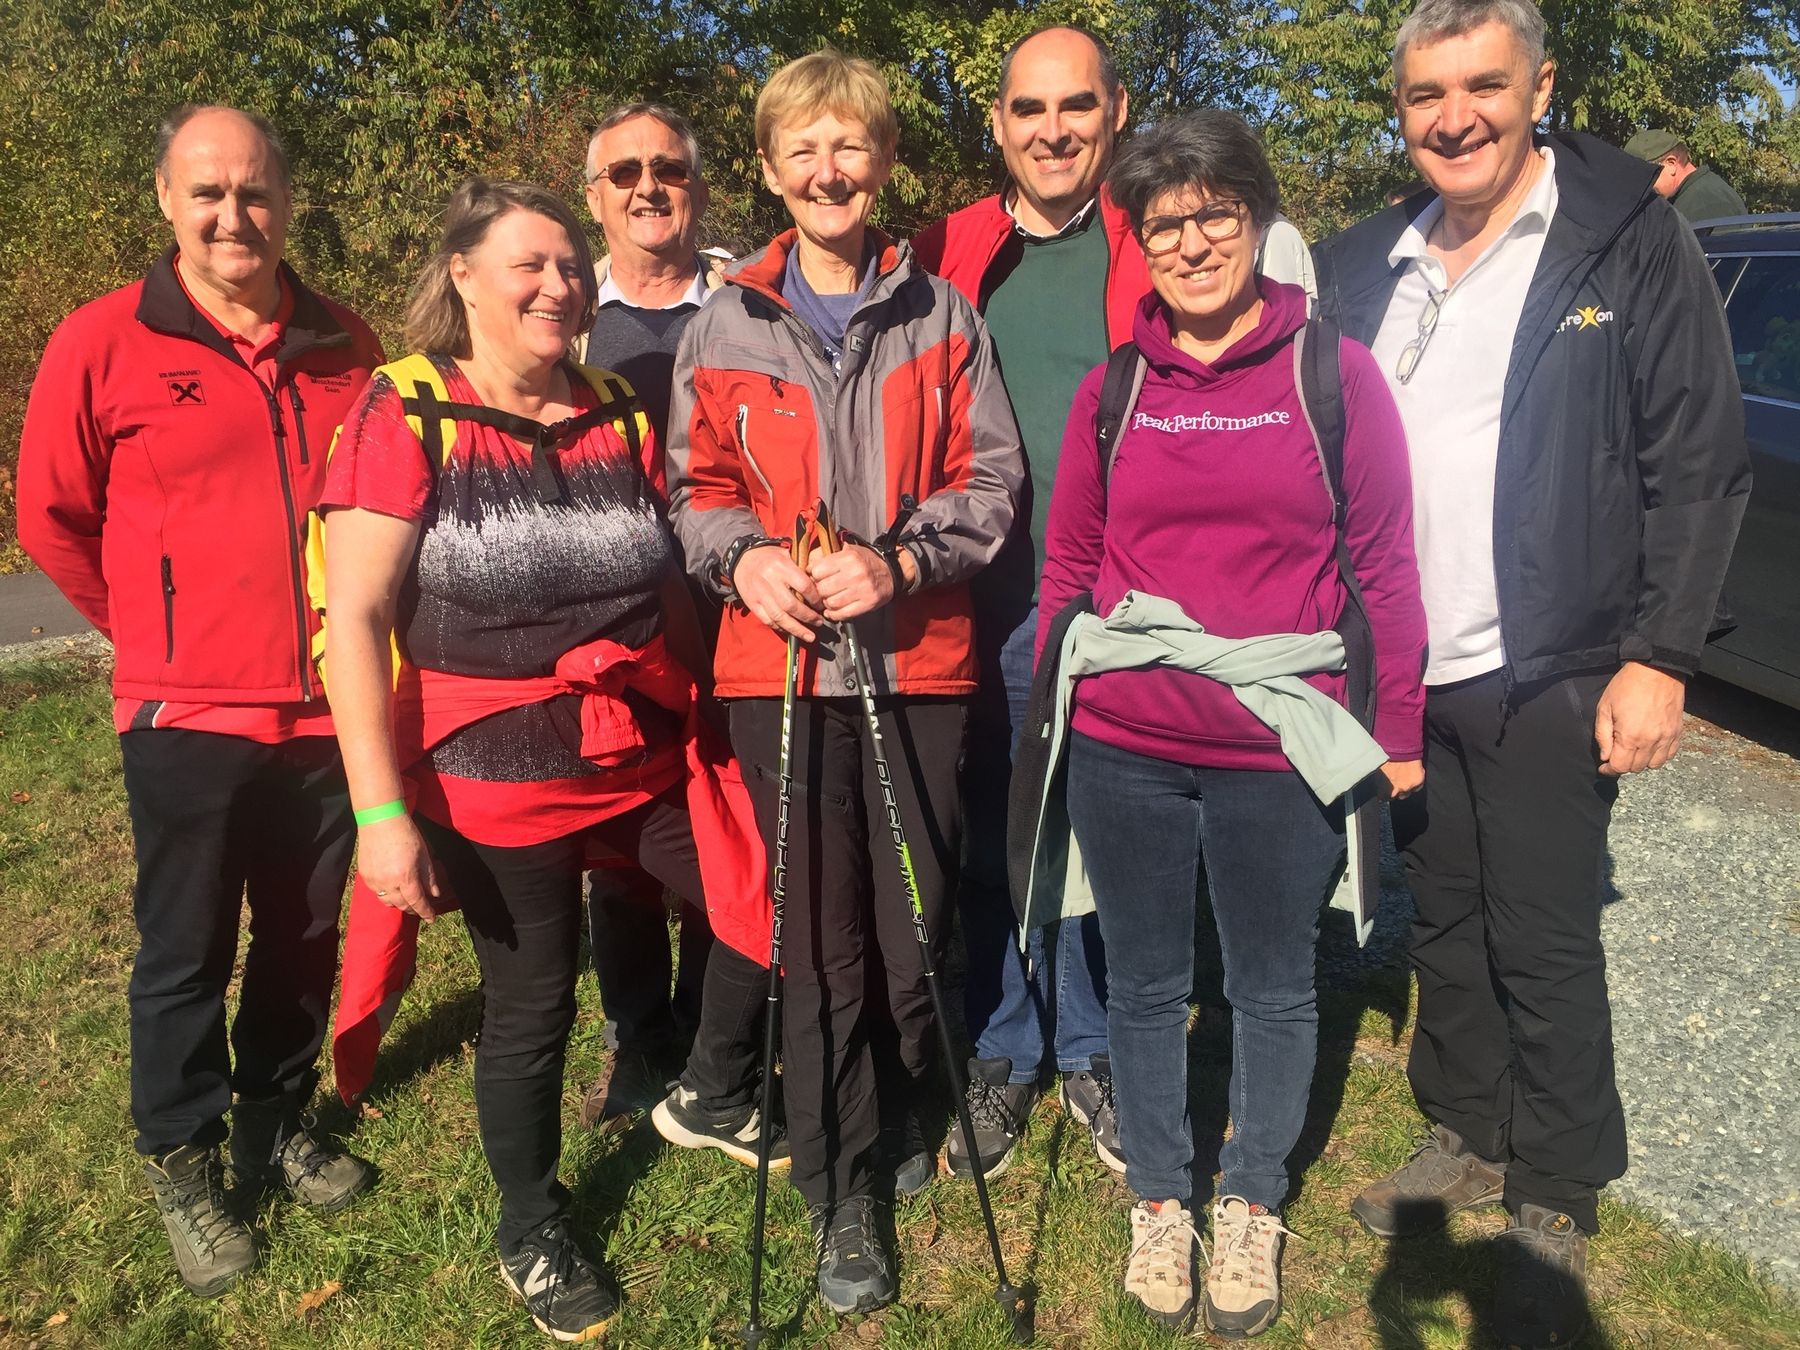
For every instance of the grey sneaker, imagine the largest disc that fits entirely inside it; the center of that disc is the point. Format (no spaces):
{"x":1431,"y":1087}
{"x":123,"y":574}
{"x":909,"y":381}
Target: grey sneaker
{"x":855,"y":1268}
{"x":1541,"y":1301}
{"x":1440,"y":1178}
{"x":684,"y":1120}
{"x":273,"y":1147}
{"x":1087,"y":1095}
{"x":1243,"y":1281}
{"x":212,"y":1247}
{"x":914,"y":1163}
{"x":998,"y":1110}
{"x":1159,"y":1273}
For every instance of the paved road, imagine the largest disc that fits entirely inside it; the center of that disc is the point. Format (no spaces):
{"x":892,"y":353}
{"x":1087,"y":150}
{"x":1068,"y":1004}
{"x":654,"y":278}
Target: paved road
{"x":31,"y":608}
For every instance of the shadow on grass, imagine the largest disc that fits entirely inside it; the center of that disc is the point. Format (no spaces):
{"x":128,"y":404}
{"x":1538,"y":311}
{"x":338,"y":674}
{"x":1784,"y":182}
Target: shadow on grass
{"x":422,"y":1045}
{"x":1408,"y":1300}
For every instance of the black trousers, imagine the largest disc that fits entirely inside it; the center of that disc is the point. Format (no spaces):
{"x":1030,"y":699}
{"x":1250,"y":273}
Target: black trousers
{"x":523,"y":909}
{"x":856,"y":1009}
{"x":628,"y":923}
{"x":1505,"y":852}
{"x":216,"y":820}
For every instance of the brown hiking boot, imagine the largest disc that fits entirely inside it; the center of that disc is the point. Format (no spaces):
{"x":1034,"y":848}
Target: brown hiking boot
{"x":1440,"y":1178}
{"x":629,"y":1085}
{"x":273,"y":1146}
{"x":1540,"y":1302}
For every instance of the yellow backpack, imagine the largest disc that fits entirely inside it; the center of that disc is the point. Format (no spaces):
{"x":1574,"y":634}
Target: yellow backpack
{"x":433,"y":418}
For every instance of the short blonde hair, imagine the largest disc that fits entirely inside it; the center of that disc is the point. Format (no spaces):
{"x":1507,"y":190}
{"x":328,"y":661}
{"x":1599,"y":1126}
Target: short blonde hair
{"x":827,"y":81}
{"x":435,"y":319}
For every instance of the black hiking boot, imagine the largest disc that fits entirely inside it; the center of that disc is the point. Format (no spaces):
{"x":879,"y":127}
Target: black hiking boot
{"x":998,"y":1110}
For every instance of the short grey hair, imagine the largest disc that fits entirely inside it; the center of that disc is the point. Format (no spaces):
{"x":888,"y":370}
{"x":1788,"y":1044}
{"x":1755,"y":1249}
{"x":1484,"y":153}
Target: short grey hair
{"x":1109,"y":68}
{"x":1435,"y":20}
{"x":656,"y":112}
{"x":170,"y":127}
{"x":1209,"y":150}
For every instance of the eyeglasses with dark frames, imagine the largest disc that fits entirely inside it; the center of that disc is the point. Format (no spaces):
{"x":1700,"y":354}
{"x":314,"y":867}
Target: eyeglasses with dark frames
{"x":1414,"y":351}
{"x":1219,"y":222}
{"x":625,"y":173}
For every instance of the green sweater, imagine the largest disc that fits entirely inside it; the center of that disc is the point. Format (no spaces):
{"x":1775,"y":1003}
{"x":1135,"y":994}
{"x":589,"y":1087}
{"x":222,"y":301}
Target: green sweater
{"x":1048,"y":320}
{"x":1706,"y":196}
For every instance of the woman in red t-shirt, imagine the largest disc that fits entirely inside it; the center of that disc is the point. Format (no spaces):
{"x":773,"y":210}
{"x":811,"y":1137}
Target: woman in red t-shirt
{"x":524,"y":574}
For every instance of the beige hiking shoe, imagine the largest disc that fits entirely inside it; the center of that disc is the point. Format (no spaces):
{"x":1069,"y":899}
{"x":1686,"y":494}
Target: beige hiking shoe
{"x":1160,"y":1271}
{"x":1243,"y":1283}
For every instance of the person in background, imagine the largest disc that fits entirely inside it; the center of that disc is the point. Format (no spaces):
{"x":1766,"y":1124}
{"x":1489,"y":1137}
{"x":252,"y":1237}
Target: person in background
{"x":1051,"y":264}
{"x":832,"y":365}
{"x":1215,"y":504}
{"x":174,"y":441}
{"x":1695,"y":191}
{"x":646,"y":188}
{"x":1559,"y":354}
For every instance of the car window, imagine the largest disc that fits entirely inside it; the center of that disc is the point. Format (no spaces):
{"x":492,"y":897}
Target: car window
{"x":1764,"y":314}
{"x":1725,"y":272}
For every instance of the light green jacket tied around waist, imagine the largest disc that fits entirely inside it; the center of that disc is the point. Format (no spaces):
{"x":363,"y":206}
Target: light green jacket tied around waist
{"x":1326,"y":744}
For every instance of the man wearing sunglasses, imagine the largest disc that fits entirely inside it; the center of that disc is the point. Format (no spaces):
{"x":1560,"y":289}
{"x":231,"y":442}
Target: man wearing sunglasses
{"x":645,"y":188}
{"x":1561,"y":363}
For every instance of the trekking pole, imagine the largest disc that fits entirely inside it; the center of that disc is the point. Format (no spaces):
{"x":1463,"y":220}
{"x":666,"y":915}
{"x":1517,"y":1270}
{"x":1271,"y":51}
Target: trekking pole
{"x":1011,"y":1299}
{"x":754,"y":1331}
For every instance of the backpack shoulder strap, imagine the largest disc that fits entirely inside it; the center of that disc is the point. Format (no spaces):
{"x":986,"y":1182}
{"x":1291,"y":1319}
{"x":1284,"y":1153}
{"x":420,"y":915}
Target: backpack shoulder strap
{"x":620,"y":404}
{"x":1119,"y":390}
{"x":1320,"y":379}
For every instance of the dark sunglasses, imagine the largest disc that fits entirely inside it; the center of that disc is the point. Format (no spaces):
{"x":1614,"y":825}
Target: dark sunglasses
{"x":626,"y":172}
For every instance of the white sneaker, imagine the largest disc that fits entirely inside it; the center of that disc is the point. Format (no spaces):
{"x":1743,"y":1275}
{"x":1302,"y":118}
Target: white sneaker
{"x":1160,"y":1271}
{"x":1243,"y":1282}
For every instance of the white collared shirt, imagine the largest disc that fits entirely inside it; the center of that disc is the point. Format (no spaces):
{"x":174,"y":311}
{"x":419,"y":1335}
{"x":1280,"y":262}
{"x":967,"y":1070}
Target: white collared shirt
{"x":1451,"y":411}
{"x":610,"y":293}
{"x":1074,"y":222}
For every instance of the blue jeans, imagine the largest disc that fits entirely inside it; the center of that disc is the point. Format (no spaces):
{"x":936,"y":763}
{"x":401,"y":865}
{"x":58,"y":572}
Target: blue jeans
{"x":1146,"y":827}
{"x":1007,"y":1007}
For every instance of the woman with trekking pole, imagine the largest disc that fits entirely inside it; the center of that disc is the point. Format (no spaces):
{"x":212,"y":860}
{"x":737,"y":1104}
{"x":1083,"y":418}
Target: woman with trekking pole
{"x":832,"y":368}
{"x":1229,"y":560}
{"x":498,"y":584}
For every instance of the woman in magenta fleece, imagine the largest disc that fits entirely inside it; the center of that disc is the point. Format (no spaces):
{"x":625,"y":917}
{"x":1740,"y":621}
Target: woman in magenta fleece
{"x":1216,"y":500}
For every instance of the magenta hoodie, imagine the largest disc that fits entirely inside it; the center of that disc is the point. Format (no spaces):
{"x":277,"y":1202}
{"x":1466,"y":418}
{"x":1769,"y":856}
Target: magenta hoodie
{"x":1217,"y":501}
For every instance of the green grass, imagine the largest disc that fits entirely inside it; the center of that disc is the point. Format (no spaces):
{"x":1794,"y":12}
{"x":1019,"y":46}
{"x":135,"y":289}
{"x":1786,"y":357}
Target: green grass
{"x":83,"y":1261}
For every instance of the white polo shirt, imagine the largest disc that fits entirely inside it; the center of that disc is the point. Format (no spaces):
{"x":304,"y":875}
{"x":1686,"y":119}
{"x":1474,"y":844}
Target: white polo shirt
{"x":1451,"y":411}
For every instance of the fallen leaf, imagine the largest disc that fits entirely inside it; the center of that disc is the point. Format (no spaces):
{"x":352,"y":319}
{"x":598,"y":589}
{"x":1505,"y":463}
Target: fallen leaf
{"x":21,"y":797}
{"x":311,"y":1303}
{"x":37,"y":630}
{"x":372,"y":1112}
{"x":55,"y":1320}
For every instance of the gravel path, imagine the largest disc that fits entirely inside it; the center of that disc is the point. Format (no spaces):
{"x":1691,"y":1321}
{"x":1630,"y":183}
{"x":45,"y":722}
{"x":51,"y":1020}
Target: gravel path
{"x":1703,"y":951}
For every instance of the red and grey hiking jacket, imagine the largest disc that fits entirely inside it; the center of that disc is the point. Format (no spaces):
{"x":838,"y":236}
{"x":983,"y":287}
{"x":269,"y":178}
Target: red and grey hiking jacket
{"x":965,"y":248}
{"x":761,"y":427}
{"x":165,"y":489}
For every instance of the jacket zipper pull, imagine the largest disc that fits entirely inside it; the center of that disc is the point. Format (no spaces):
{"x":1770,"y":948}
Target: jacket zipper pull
{"x":299,"y":419}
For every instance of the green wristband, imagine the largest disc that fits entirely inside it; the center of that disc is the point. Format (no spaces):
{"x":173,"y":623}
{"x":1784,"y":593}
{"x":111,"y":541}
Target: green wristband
{"x":386,"y":811}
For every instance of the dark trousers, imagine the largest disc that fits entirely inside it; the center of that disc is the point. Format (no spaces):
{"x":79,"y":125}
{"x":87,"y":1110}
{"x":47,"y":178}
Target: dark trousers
{"x":1270,"y":851}
{"x":847,"y":931}
{"x":1505,"y":852}
{"x":523,"y":909}
{"x":215,"y":821}
{"x":628,"y":923}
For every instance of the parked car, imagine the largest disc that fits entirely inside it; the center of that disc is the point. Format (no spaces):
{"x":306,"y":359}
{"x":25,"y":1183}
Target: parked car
{"x":1756,"y":261}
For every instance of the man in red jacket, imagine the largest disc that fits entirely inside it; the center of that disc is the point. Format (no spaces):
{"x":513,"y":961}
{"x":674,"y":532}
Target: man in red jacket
{"x":1051,"y":263}
{"x":174,"y":442}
